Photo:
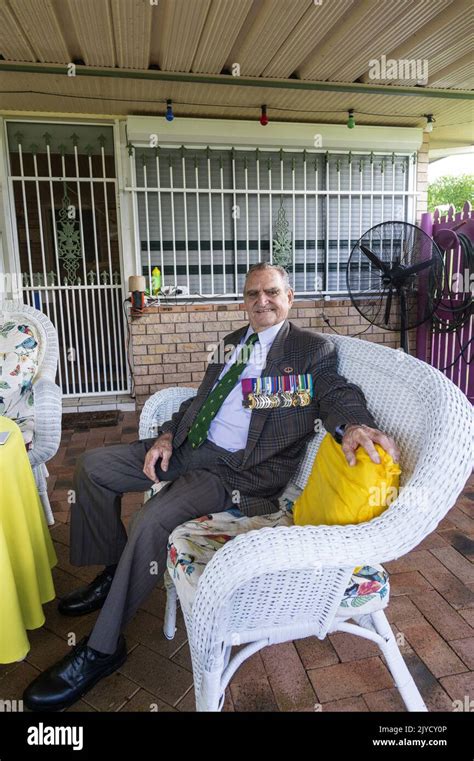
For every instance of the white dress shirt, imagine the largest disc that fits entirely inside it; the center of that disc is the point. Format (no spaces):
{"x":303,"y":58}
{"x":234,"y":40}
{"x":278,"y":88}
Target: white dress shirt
{"x":229,"y":429}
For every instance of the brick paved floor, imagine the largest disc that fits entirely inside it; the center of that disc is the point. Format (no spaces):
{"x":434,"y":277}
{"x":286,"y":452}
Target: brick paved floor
{"x":432,"y":606}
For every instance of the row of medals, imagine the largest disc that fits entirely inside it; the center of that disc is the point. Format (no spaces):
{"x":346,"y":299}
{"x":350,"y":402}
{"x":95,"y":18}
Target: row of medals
{"x":281,"y":399}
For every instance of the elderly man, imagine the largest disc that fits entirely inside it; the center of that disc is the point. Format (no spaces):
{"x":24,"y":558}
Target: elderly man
{"x":219,"y":446}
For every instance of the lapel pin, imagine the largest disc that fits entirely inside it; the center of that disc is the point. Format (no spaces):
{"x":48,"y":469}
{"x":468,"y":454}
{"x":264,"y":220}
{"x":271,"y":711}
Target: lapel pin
{"x":287,"y":369}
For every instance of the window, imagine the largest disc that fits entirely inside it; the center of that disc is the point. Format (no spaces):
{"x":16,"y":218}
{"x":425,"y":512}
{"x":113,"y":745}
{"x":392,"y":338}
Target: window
{"x":205,"y":215}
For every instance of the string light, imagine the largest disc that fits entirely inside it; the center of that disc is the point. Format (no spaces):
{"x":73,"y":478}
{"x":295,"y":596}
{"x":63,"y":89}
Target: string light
{"x":169,"y":116}
{"x":351,"y":120}
{"x":264,"y":117}
{"x":314,"y":112}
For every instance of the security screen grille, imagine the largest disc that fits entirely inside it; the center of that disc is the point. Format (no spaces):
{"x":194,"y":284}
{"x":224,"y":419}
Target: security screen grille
{"x":203,"y":216}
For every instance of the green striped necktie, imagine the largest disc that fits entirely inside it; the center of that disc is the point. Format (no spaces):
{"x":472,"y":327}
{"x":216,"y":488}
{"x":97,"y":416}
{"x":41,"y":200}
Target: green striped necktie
{"x":200,"y":428}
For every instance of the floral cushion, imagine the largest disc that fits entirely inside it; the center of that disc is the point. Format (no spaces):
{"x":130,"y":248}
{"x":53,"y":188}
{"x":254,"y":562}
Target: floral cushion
{"x":192,"y":545}
{"x":19,"y":352}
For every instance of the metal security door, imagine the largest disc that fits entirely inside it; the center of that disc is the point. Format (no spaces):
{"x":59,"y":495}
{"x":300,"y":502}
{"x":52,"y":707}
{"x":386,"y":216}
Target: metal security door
{"x":63,"y":189}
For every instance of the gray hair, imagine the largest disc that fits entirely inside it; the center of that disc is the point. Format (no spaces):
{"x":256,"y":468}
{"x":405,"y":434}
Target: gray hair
{"x":267,"y":266}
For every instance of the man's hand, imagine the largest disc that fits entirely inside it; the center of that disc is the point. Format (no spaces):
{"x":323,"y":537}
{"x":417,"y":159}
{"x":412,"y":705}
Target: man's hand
{"x":362,"y":435}
{"x":161,"y":448}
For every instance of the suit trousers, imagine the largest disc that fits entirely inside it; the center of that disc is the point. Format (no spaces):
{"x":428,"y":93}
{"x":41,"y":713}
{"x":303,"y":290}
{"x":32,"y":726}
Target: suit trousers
{"x":98,"y":535}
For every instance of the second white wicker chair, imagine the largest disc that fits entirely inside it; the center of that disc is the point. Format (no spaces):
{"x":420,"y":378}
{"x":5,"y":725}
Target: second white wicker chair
{"x":279,"y":584}
{"x":47,"y":395}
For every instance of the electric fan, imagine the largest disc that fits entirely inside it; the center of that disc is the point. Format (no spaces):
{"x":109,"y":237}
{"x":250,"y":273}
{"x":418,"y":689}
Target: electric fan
{"x":395,"y":277}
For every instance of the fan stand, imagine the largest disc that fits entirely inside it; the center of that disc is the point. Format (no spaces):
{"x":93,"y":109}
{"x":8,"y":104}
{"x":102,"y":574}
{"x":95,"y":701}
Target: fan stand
{"x":403,"y":321}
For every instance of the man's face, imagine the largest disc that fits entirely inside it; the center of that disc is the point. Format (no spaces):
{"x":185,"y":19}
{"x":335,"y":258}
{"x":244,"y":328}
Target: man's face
{"x":265,"y":299}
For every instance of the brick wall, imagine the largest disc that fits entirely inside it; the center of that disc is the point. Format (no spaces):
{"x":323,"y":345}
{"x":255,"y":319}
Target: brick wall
{"x":169,"y":344}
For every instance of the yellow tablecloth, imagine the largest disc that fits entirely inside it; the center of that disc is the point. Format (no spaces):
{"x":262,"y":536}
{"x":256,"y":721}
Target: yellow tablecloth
{"x":26,"y":550}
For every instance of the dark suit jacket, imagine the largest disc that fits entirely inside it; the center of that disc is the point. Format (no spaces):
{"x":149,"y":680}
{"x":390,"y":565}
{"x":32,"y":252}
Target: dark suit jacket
{"x":277,"y":437}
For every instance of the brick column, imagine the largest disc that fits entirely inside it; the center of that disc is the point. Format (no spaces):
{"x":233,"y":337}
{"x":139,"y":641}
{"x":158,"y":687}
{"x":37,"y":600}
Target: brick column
{"x":422,"y":178}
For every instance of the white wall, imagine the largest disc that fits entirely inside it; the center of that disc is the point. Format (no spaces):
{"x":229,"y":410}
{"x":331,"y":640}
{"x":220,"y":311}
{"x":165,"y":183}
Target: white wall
{"x":282,"y":134}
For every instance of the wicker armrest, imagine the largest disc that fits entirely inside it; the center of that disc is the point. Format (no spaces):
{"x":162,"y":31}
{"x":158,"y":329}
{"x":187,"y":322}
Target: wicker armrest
{"x":47,"y":431}
{"x":160,"y":407}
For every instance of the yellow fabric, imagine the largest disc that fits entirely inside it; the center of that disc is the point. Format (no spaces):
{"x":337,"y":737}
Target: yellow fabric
{"x":26,"y":550}
{"x":340,"y":494}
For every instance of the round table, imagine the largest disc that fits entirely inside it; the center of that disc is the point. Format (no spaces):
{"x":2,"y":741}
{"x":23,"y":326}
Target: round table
{"x":26,"y":550}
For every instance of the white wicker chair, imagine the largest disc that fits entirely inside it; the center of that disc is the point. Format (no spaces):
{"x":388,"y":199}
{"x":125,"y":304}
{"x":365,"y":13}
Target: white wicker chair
{"x":279,"y":584}
{"x":160,"y":407}
{"x":47,"y":396}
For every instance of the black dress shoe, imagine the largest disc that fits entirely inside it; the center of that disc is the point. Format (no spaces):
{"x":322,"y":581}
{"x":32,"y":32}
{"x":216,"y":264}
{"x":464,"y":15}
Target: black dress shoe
{"x":89,"y":598}
{"x":63,"y":683}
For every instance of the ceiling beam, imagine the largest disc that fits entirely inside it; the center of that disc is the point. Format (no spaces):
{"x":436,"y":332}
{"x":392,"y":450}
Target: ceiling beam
{"x":231,"y":81}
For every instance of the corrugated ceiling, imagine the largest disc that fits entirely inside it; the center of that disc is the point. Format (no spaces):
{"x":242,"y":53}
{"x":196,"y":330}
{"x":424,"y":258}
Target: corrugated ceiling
{"x":279,"y":39}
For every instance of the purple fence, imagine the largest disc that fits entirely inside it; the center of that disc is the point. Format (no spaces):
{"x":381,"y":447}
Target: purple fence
{"x":451,"y":352}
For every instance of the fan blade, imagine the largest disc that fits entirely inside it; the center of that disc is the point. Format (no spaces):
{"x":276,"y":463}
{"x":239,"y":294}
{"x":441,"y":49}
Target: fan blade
{"x":388,"y":307}
{"x":374,"y":259}
{"x":418,"y":267}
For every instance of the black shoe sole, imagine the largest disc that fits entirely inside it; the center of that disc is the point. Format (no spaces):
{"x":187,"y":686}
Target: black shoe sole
{"x":62,"y":706}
